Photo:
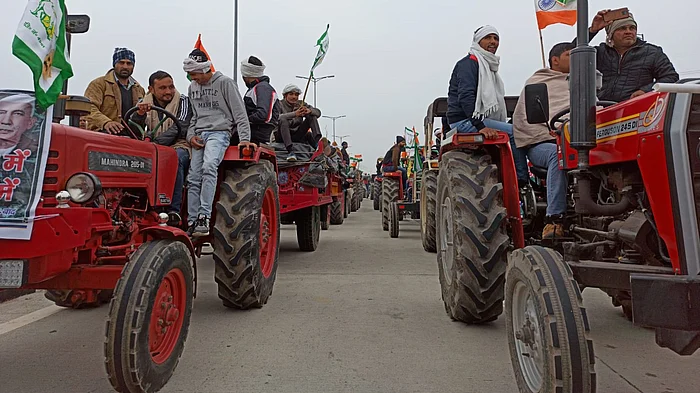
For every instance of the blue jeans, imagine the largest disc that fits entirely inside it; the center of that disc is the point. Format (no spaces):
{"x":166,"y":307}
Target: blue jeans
{"x":465,"y":127}
{"x":545,"y":155}
{"x":183,"y":163}
{"x":404,"y":174}
{"x":204,"y":171}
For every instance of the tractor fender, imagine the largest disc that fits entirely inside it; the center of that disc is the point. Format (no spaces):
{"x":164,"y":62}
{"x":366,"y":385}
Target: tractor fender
{"x":167,"y":232}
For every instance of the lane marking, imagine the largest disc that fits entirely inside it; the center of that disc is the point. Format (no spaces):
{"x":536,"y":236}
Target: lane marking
{"x":29,"y":318}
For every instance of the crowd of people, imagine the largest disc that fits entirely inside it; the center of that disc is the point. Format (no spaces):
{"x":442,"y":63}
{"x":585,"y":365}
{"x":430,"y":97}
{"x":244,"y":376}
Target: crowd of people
{"x":212,"y":116}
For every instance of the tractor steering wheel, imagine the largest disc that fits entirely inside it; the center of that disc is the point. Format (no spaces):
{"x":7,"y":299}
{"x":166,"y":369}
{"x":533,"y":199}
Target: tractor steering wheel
{"x":142,"y":135}
{"x":557,"y":118}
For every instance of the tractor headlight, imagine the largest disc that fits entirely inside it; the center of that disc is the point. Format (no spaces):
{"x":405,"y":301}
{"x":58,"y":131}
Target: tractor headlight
{"x":83,"y":186}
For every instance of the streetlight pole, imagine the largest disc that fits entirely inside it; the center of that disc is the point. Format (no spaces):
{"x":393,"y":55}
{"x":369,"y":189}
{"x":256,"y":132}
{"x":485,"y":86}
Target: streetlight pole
{"x":314,"y":79}
{"x":235,"y":40}
{"x":341,"y":138}
{"x":334,"y":118}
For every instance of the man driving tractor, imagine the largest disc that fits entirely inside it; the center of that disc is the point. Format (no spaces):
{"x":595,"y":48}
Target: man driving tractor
{"x":391,"y":162}
{"x":113,"y":94}
{"x":162,"y":93}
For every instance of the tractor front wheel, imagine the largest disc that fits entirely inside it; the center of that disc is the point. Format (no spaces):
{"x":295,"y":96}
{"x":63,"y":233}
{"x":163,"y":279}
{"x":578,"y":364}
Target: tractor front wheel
{"x":394,"y":220}
{"x":149,"y":317}
{"x":547,"y":327}
{"x":377,"y":197}
{"x":427,"y":210}
{"x":471,"y":237}
{"x":246,"y":236}
{"x":390,"y":193}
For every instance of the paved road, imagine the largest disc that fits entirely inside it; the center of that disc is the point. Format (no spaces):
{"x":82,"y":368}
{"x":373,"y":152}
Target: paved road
{"x":361,"y":314}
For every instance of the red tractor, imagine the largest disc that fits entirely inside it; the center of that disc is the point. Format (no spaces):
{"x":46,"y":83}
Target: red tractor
{"x":311,"y":194}
{"x":632,"y":227}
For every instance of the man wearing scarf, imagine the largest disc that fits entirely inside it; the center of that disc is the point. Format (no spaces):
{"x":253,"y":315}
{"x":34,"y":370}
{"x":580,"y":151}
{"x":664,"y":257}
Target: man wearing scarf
{"x":296,"y":120}
{"x":113,"y":94}
{"x":219,"y":113}
{"x":162,"y":93}
{"x":630,"y":65}
{"x":476,"y":95}
{"x":540,"y":143}
{"x":260,"y":101}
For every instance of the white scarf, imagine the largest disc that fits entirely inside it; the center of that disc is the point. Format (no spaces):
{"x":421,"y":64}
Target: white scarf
{"x":490,"y":94}
{"x":190,"y":65}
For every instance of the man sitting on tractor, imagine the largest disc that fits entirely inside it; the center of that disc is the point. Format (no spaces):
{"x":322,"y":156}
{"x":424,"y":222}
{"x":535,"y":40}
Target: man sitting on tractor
{"x":476,"y":96}
{"x":162,"y":93}
{"x":260,"y":101}
{"x":296,"y":120}
{"x":218,"y":110}
{"x":540,"y":142}
{"x":113,"y":94}
{"x":630,"y":65}
{"x":391,"y":162}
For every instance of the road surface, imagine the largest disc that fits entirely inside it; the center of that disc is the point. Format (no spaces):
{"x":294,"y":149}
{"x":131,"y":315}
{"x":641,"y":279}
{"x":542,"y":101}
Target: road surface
{"x":361,"y":314}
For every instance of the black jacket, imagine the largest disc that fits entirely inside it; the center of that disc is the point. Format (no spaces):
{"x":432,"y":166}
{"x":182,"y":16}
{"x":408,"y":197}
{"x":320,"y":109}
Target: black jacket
{"x":262,"y":106}
{"x":461,"y":96}
{"x":638,"y":69}
{"x":346,"y":156}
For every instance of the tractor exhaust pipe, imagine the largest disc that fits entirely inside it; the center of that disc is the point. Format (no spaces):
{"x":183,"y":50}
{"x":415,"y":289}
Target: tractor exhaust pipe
{"x":583,"y":127}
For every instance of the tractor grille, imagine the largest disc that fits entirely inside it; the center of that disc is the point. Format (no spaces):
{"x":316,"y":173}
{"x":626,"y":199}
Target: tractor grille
{"x":693,"y":131}
{"x":51,"y":186}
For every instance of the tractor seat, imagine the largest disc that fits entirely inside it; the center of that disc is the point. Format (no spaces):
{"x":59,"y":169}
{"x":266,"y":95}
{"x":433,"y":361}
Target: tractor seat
{"x":540,"y":172}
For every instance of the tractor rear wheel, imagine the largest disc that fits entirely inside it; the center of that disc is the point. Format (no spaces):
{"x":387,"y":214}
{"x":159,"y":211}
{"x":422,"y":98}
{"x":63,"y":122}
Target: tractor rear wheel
{"x":548,"y":331}
{"x":394,"y":220}
{"x":427,"y":210}
{"x":390,"y":193}
{"x":246,"y":236}
{"x":308,"y":228}
{"x":149,"y":317}
{"x":471,"y":237}
{"x":325,"y":217}
{"x":337,"y":216}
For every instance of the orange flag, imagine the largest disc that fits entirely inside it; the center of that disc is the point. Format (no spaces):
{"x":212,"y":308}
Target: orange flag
{"x":198,"y":45}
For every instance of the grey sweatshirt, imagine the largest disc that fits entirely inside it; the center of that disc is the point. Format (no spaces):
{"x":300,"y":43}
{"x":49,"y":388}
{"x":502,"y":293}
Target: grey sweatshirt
{"x":218,"y":106}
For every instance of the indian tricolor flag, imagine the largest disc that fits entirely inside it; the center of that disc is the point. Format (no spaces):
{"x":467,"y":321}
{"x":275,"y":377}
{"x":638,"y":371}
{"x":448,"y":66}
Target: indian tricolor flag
{"x":550,"y":12}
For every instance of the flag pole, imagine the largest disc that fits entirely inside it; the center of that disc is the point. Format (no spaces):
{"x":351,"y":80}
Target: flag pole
{"x":544,"y":64}
{"x":306,"y":90}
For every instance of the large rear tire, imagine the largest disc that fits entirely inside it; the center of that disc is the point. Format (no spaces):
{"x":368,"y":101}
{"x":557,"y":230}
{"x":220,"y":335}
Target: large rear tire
{"x":548,"y":331}
{"x":427,"y":210}
{"x":337,"y":216}
{"x":246,"y":236}
{"x":394,"y":220}
{"x":149,"y":317}
{"x":308,"y":228}
{"x":471,"y":237}
{"x":390,"y":193}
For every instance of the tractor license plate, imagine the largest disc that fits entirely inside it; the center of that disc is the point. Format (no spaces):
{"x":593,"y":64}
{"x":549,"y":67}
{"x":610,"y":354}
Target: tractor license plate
{"x":12,"y":273}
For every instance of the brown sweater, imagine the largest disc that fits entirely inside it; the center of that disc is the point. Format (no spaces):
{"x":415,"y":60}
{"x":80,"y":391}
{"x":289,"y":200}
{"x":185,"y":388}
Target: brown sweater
{"x":558,"y":89}
{"x":106,"y":99}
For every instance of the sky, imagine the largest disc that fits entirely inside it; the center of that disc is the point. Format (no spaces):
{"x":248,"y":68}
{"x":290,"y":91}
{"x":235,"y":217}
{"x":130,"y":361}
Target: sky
{"x":390,"y":58}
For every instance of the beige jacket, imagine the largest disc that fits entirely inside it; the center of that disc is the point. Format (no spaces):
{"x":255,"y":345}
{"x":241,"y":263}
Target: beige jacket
{"x":558,"y":88}
{"x":106,"y":99}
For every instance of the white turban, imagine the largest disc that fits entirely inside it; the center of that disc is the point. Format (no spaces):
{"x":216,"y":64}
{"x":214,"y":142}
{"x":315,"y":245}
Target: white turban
{"x":290,"y":88}
{"x":192,"y":66}
{"x":249,"y":70}
{"x":483,"y":31}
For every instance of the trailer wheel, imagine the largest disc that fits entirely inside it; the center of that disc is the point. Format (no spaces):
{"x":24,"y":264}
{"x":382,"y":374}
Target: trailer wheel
{"x":548,"y":331}
{"x":325,"y":217}
{"x":246,"y":236}
{"x":471,"y":237}
{"x":394,"y":220}
{"x":149,"y":317}
{"x":390,"y":193}
{"x":427,"y":210}
{"x":308,"y":228}
{"x":336,"y":208}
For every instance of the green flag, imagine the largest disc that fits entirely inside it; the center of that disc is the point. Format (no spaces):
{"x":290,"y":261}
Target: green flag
{"x":322,"y":44}
{"x":40,"y":42}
